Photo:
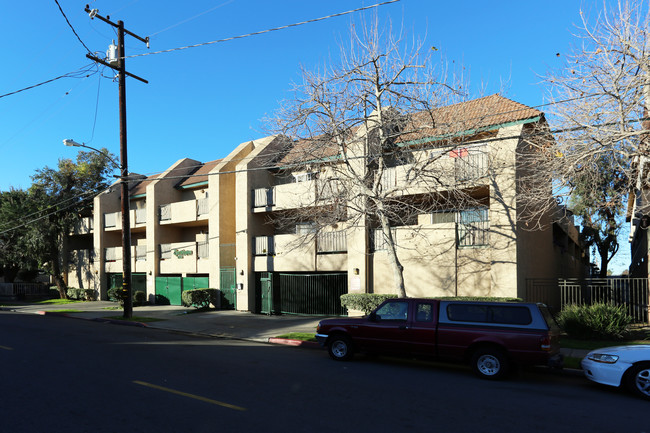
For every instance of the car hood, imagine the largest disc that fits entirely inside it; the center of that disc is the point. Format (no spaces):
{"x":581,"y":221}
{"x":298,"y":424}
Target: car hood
{"x":628,"y":353}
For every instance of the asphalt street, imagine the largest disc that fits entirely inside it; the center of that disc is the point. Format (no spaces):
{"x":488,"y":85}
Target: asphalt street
{"x":63,"y":375}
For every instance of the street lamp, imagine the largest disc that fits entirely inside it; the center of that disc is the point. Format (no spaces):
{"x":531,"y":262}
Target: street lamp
{"x":126,"y":226}
{"x":71,"y":143}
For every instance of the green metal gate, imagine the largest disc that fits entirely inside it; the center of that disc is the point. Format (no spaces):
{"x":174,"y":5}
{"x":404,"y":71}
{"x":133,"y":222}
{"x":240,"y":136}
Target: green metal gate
{"x":138,"y":282}
{"x":310,"y":294}
{"x":228,"y":288}
{"x":266,"y":293}
{"x":168,"y":290}
{"x":192,"y":283}
{"x":313,"y":294}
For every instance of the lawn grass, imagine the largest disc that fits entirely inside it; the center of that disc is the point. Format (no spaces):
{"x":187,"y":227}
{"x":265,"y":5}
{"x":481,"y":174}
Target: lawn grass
{"x":57,"y":302}
{"x":302,"y":336}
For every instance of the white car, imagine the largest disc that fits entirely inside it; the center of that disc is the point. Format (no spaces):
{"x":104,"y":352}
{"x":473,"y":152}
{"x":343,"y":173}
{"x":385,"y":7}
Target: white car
{"x":621,"y":365}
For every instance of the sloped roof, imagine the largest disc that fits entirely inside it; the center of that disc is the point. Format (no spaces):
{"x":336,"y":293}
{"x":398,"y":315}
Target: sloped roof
{"x":200,"y":175}
{"x":478,"y":114}
{"x":141,"y":187}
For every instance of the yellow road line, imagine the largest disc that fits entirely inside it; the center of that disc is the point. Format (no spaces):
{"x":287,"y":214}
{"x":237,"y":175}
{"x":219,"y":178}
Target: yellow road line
{"x":6,"y":348}
{"x":185,"y":394}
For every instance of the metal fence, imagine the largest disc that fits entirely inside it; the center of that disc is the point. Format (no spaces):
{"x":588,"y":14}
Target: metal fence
{"x":557,"y":293}
{"x":331,"y":242}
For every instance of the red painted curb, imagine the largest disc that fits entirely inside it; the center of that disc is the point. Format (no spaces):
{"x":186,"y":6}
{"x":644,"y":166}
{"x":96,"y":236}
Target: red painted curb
{"x":297,"y":343}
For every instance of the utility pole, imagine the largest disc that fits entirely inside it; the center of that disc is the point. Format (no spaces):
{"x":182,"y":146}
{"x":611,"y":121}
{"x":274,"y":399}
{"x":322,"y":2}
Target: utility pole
{"x":120,"y":67}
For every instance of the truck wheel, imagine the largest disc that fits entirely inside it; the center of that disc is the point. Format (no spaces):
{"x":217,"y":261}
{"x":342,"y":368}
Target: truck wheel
{"x":638,"y":380}
{"x":340,"y":348}
{"x":489,"y":363}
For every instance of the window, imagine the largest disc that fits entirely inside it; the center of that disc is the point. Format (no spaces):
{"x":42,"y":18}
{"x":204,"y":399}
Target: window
{"x":424,"y":313}
{"x":305,"y":228}
{"x":395,"y":310}
{"x":473,"y":227}
{"x":498,"y":314}
{"x":304,"y":177}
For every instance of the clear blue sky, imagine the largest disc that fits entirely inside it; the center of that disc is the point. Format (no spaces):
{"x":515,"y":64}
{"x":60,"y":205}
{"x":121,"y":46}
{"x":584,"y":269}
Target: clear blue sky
{"x":202,"y":102}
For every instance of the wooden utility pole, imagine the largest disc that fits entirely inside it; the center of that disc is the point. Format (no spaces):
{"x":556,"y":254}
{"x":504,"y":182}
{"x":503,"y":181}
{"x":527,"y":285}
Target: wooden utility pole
{"x":120,"y":67}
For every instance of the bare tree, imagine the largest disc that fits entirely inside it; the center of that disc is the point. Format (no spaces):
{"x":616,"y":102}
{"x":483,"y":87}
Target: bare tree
{"x":597,"y":102}
{"x":376,"y":131}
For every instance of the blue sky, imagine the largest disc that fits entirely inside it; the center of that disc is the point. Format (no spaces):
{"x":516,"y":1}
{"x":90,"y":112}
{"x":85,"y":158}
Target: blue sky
{"x":202,"y":102}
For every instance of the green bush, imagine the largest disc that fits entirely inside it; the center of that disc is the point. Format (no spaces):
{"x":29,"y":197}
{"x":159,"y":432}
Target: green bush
{"x":75,"y":294}
{"x":139,"y":298}
{"x":199,"y":298}
{"x":90,"y":294}
{"x":365,"y":302}
{"x":602,"y":321}
{"x":115,"y":295}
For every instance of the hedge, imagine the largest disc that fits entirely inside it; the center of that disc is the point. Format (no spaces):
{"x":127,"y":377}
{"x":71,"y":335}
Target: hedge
{"x":367,"y":302}
{"x":600,"y":321}
{"x":199,"y":298}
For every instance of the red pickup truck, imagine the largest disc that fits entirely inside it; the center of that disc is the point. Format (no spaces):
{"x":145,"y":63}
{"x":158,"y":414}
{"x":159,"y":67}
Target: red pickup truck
{"x":490,"y":336}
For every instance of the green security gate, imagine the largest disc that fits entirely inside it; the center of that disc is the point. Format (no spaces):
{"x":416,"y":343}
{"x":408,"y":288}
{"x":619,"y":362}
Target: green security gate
{"x":168,"y":290}
{"x":314,"y":294}
{"x":191,"y":283}
{"x":310,"y":294}
{"x":228,"y":288}
{"x":138,"y":282}
{"x":267,"y":306}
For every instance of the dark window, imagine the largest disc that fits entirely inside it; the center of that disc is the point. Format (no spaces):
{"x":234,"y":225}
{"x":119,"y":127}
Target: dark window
{"x":424,"y":313}
{"x":507,"y":315}
{"x":393,"y":311}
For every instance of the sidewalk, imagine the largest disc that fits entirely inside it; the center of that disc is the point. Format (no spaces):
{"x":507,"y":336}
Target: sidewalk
{"x":216,"y":323}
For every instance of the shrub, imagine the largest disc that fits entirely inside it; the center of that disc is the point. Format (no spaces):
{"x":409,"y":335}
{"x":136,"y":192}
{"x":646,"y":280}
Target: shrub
{"x":90,"y":294}
{"x":199,"y":298}
{"x":75,"y":294}
{"x":139,"y":298}
{"x":601,"y":320}
{"x":365,"y":302}
{"x":115,"y":295}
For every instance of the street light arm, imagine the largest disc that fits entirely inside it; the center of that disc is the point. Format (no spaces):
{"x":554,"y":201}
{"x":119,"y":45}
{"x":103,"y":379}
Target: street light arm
{"x":71,"y":143}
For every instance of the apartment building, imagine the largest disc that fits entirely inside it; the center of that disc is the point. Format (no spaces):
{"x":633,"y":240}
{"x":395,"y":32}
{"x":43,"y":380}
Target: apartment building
{"x":244,"y":224}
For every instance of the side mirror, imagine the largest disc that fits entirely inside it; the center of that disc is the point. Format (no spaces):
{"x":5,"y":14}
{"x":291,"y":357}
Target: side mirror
{"x":372,"y":317}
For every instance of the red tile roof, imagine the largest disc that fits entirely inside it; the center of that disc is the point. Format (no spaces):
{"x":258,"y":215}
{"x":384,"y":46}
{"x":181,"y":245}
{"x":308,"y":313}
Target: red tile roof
{"x":481,"y":114}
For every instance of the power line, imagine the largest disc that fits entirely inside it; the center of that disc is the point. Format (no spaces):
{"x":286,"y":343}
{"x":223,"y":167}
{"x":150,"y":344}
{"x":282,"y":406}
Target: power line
{"x":267,"y":30}
{"x":79,"y":73}
{"x":72,"y":28}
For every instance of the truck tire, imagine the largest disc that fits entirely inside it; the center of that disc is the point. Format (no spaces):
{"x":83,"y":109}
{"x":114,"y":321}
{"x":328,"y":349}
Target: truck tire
{"x":489,"y":363}
{"x":340,"y":348}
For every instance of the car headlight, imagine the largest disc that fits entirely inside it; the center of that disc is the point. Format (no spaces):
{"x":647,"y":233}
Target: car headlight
{"x":603,"y":357}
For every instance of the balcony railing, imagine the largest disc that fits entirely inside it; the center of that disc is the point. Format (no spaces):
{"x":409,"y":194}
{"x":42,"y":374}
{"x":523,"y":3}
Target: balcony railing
{"x":332,"y":242}
{"x":165,"y":212}
{"x":202,"y":206}
{"x":203,"y":249}
{"x":141,"y":252}
{"x":110,"y":254}
{"x":110,"y":220}
{"x":141,"y":216}
{"x":165,"y":251}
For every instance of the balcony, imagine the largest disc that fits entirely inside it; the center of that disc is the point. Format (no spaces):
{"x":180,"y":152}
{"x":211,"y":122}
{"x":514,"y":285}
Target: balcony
{"x":84,"y":226}
{"x":287,"y":196}
{"x":113,"y":220}
{"x":113,"y":259}
{"x":297,"y":253}
{"x":184,"y":211}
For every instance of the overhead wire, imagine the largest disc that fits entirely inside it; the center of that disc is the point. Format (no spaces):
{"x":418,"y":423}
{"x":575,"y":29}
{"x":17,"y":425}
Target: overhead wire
{"x":264,"y":31}
{"x":79,"y":73}
{"x":72,"y":28}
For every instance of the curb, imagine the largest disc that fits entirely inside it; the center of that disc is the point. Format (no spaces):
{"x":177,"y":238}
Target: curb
{"x":98,"y":319}
{"x":295,"y":343}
